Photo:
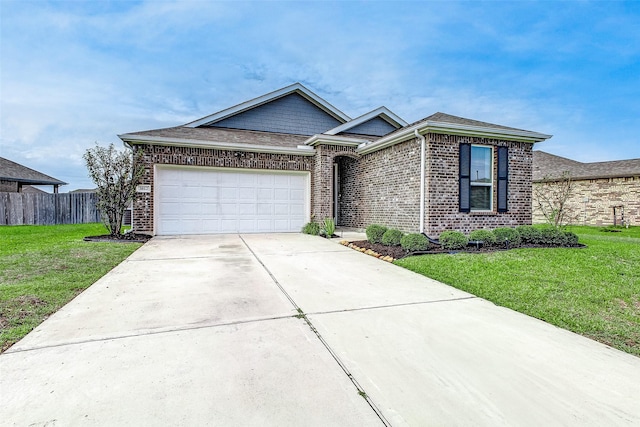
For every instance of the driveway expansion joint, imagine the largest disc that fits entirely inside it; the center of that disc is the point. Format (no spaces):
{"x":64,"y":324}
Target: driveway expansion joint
{"x":401,"y":304}
{"x":302,"y":315}
{"x":158,"y":331}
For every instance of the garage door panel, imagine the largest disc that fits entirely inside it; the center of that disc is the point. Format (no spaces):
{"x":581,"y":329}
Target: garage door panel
{"x":196,"y":200}
{"x":265,"y":209}
{"x":249,"y":209}
{"x":297,"y":195}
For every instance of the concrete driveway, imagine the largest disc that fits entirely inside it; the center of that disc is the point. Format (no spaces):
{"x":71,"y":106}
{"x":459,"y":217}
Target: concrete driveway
{"x":203,"y":331}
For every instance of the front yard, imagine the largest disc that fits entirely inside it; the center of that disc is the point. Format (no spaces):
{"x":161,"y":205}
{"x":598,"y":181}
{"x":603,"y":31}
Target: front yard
{"x":594,"y":291}
{"x":44,"y":267}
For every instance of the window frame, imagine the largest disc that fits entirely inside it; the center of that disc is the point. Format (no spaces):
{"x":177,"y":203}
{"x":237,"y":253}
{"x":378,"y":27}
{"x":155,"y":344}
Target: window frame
{"x":490,"y":184}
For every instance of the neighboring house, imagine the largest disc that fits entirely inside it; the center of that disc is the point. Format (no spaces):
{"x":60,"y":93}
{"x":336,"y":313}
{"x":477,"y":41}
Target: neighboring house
{"x":275,"y":162}
{"x":603,"y":193}
{"x":15,"y":178}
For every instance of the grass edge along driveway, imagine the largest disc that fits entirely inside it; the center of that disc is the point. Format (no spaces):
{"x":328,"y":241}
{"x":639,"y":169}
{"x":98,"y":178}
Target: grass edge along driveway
{"x":43,"y":267}
{"x":594,"y":291}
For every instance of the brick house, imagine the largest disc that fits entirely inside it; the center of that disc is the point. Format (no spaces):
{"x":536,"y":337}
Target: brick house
{"x":597,"y":189}
{"x":273,"y":163}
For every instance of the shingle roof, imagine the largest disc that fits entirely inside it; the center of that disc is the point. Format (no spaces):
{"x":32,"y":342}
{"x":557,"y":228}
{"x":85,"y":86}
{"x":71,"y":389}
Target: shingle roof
{"x":211,"y":134}
{"x":549,"y":166}
{"x":448,"y":118}
{"x":12,"y":171}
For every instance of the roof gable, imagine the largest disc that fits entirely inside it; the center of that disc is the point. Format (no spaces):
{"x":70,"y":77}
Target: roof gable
{"x":12,"y":171}
{"x":293,"y":109}
{"x":291,"y":114}
{"x":378,"y":122}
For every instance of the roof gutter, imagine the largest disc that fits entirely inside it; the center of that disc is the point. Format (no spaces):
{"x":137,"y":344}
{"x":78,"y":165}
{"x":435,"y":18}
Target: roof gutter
{"x":452,"y":129}
{"x":132,"y":139}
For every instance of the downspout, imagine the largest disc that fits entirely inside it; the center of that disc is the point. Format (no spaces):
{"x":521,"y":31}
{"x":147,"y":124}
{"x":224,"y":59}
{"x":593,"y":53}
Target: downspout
{"x":422,"y":176}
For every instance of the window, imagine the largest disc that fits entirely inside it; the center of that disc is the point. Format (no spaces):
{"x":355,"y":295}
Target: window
{"x":481,"y":178}
{"x":477,"y":180}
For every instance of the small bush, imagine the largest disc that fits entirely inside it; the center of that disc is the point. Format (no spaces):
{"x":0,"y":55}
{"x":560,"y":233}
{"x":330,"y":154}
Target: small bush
{"x":552,"y":236}
{"x":414,"y":242}
{"x":453,"y":240}
{"x":328,"y":227}
{"x":312,"y":228}
{"x":375,"y":233}
{"x":506,"y":234}
{"x":571,"y":239}
{"x":392,"y":237}
{"x":484,"y":236}
{"x":529,"y":234}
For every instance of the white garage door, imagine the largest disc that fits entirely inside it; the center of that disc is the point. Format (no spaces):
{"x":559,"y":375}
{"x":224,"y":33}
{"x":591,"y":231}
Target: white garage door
{"x":209,"y":201}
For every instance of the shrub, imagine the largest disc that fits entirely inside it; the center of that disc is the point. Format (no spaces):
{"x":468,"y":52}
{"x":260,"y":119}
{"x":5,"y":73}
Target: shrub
{"x":312,"y":228}
{"x":552,"y":236}
{"x":484,"y":236}
{"x":571,"y":239}
{"x":328,"y":227}
{"x":529,"y":234}
{"x":506,"y":234}
{"x":453,"y":240}
{"x":414,"y":242}
{"x":392,"y":237}
{"x":375,"y":233}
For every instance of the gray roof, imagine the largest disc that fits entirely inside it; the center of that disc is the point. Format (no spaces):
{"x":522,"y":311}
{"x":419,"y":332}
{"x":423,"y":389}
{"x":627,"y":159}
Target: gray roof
{"x":549,"y":166}
{"x":225,"y":135}
{"x":448,"y":118}
{"x":12,"y":171}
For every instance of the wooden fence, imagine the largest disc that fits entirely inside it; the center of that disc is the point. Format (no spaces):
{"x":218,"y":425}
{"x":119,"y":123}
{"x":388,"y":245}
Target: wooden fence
{"x":48,"y":209}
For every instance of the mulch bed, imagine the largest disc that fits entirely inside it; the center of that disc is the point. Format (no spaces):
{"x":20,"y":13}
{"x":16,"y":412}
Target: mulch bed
{"x":123,"y":238}
{"x":396,"y":252}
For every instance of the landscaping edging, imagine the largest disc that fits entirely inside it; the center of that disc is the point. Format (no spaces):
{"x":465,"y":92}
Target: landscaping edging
{"x":127,"y":238}
{"x":367,"y":251}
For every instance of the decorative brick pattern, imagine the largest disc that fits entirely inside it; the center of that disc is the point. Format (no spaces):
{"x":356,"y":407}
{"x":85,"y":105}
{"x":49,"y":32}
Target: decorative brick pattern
{"x":186,"y":156}
{"x":593,"y":200}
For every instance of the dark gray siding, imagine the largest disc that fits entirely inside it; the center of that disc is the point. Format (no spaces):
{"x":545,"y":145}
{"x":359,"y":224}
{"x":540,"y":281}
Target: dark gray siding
{"x":373,"y":127}
{"x":291,"y":114}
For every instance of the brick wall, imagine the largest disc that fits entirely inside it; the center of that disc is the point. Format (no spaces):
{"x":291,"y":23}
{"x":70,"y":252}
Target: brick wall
{"x":389,"y":183}
{"x":443,"y":186}
{"x":592,"y":201}
{"x":322,"y":180}
{"x":187,"y":156}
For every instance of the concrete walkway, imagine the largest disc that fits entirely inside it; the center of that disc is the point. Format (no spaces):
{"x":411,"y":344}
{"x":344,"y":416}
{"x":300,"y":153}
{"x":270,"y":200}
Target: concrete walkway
{"x":203,"y":331}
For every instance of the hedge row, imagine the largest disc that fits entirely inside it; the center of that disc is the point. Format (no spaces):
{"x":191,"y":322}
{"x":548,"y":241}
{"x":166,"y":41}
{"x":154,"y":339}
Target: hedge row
{"x":454,"y":240}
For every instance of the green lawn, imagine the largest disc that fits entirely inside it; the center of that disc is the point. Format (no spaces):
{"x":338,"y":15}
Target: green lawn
{"x":594,"y":291}
{"x":44,"y":267}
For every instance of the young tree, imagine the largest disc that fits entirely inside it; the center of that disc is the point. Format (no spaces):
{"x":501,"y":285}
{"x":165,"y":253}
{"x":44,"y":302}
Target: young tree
{"x":551,"y":197}
{"x":116,"y":174}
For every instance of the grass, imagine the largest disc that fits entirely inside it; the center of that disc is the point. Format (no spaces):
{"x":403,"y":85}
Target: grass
{"x":44,"y":267}
{"x":593,"y":291}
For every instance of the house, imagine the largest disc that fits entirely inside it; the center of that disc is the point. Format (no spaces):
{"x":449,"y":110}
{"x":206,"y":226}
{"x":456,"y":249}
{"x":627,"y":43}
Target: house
{"x":603,"y":193}
{"x":15,"y":178}
{"x":275,"y":162}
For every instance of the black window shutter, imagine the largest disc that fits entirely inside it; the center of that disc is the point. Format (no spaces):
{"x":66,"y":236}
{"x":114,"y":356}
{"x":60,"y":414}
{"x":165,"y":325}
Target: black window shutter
{"x":465,"y":177}
{"x":503,"y":178}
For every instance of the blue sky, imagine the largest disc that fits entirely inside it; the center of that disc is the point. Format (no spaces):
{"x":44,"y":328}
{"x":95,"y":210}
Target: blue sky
{"x":74,"y":73}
